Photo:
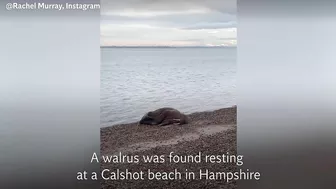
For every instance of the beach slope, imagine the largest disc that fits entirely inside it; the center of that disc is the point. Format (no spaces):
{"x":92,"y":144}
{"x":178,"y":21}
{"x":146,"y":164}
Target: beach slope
{"x":211,"y":133}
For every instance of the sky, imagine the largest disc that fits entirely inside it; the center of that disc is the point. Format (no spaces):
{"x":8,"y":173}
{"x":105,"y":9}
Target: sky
{"x":168,"y":23}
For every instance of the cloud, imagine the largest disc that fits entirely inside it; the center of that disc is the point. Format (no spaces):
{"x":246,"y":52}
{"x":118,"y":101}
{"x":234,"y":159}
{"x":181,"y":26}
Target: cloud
{"x":214,"y":25}
{"x":193,"y":22}
{"x":225,"y":6}
{"x":177,"y":20}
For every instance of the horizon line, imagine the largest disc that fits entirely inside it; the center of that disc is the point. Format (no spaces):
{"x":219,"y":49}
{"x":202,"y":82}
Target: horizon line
{"x":160,"y":46}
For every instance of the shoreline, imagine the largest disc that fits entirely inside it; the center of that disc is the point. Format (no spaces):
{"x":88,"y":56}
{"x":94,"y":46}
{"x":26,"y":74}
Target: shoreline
{"x":192,"y":114}
{"x":209,"y":132}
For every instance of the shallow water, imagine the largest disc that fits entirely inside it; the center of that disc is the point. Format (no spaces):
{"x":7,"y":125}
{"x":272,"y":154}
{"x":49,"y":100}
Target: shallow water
{"x":137,"y":80}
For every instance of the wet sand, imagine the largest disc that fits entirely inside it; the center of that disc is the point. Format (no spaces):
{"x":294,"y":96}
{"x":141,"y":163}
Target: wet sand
{"x":211,"y":133}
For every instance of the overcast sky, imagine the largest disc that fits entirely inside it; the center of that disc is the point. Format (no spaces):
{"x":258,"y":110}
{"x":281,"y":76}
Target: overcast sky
{"x":168,"y":22}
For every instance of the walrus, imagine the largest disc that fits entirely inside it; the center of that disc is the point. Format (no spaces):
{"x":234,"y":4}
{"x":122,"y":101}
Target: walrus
{"x":164,"y":116}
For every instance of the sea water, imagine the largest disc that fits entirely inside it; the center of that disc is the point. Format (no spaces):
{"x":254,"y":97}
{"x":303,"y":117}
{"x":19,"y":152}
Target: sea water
{"x":137,"y":80}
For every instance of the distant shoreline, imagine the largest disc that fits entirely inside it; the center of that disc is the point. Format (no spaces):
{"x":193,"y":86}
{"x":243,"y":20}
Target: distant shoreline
{"x":168,"y":47}
{"x":193,"y":113}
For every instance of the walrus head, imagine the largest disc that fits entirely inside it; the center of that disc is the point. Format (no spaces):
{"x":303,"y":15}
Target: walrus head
{"x":164,"y":116}
{"x":146,"y":119}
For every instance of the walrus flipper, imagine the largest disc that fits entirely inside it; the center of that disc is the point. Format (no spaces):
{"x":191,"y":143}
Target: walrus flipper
{"x":169,"y":121}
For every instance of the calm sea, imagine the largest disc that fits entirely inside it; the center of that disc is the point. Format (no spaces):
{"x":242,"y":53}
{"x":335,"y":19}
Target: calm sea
{"x":137,"y":80}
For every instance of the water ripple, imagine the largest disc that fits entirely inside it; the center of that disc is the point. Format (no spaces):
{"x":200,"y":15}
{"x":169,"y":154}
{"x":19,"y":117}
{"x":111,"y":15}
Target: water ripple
{"x":136,"y":81}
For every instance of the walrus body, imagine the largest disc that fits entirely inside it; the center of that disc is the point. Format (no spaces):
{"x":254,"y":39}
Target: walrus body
{"x":164,"y":116}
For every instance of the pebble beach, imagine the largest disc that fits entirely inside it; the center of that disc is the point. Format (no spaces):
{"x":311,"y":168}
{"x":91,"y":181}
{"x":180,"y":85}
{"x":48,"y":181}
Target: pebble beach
{"x":209,"y":132}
